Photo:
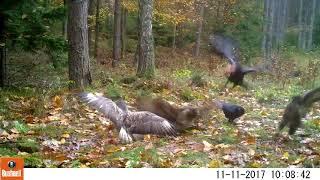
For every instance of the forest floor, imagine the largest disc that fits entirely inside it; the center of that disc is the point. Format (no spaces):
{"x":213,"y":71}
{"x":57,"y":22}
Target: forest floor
{"x":54,"y":129}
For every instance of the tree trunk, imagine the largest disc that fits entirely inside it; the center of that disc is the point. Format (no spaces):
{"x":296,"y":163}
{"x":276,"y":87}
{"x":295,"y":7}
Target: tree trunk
{"x":136,"y":54}
{"x":301,"y":26}
{"x":146,"y":67}
{"x":90,"y":31}
{"x":267,"y":28}
{"x":271,"y":30}
{"x":311,"y":25}
{"x":283,"y":21}
{"x":78,"y":56}
{"x":117,"y":33}
{"x":198,"y":34}
{"x":174,"y":37}
{"x":64,"y":22}
{"x":124,"y":31}
{"x":97,"y":33}
{"x":3,"y":63}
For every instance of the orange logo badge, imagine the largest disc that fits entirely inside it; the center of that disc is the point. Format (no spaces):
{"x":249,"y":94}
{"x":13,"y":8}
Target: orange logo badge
{"x":11,"y":168}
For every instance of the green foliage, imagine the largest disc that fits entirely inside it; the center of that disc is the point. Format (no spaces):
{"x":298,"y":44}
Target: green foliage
{"x":162,"y":34}
{"x":195,"y":159}
{"x":75,"y":164}
{"x":21,"y":127}
{"x":276,"y":94}
{"x":128,"y":80}
{"x":131,"y":45}
{"x":133,"y":157}
{"x":182,"y":73}
{"x":113,"y":91}
{"x":312,"y":125}
{"x":187,"y":95}
{"x":144,"y":92}
{"x":30,"y":22}
{"x":4,"y":151}
{"x":51,"y":131}
{"x":247,"y":28}
{"x":28,"y":145}
{"x":198,"y":80}
{"x":33,"y":161}
{"x":30,"y":25}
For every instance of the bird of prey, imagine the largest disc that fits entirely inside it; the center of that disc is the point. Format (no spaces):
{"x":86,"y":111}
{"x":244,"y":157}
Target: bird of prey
{"x":297,"y":109}
{"x":229,"y":48}
{"x":129,"y":123}
{"x":181,"y":117}
{"x":236,"y":73}
{"x":231,"y":111}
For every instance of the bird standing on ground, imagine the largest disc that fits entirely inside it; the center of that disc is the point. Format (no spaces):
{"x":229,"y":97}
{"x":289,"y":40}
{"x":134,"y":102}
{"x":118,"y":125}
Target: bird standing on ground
{"x":297,"y":109}
{"x":230,"y":111}
{"x":129,"y":123}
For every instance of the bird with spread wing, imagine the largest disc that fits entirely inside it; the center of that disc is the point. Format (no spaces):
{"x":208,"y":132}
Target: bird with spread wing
{"x":229,"y":48}
{"x":297,"y":109}
{"x":129,"y":123}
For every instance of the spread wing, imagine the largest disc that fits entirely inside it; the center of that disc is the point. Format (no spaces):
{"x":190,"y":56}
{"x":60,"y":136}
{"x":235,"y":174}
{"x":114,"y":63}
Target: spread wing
{"x":157,"y":106}
{"x":122,"y":105}
{"x":105,"y":106}
{"x":246,"y":70}
{"x":311,"y":97}
{"x":231,"y":60}
{"x":144,"y":122}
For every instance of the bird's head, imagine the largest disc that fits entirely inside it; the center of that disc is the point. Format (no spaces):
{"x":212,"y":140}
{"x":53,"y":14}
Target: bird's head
{"x":240,"y":110}
{"x":190,"y":112}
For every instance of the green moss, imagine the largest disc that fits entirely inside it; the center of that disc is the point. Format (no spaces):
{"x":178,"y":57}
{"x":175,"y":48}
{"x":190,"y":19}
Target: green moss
{"x":195,"y":159}
{"x":28,"y":145}
{"x":198,"y":80}
{"x":114,"y":91}
{"x":51,"y":131}
{"x":21,"y":127}
{"x":33,"y":161}
{"x":4,"y":151}
{"x":187,"y":95}
{"x":133,"y":156}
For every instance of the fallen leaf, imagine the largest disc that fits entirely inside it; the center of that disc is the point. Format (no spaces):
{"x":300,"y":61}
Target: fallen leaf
{"x":14,"y":130}
{"x":57,"y":102}
{"x":251,"y":152}
{"x":251,"y":139}
{"x":66,"y":135}
{"x":285,"y":156}
{"x":215,"y":164}
{"x":207,"y":146}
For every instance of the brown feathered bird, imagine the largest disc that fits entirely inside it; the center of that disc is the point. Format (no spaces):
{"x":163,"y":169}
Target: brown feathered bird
{"x":181,"y":117}
{"x":297,"y":109}
{"x":236,"y":73}
{"x":129,"y":123}
{"x":229,"y":48}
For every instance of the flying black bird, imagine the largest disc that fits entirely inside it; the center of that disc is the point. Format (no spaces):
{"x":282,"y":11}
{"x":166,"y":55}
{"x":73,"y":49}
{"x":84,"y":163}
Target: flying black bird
{"x":129,"y":123}
{"x":229,"y":48}
{"x":236,"y":72}
{"x":182,"y":118}
{"x":297,"y":109}
{"x":231,"y":111}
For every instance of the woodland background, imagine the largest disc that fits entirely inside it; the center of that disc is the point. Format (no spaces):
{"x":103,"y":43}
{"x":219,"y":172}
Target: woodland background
{"x":42,"y":121}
